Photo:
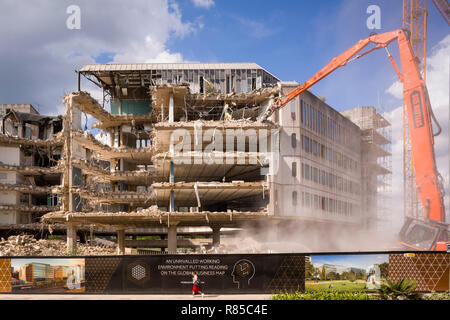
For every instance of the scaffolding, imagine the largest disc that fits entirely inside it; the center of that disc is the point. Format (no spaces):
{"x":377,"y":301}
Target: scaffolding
{"x":376,"y":159}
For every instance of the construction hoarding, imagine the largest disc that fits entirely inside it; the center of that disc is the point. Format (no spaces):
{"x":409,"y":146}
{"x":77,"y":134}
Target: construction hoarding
{"x":223,"y":273}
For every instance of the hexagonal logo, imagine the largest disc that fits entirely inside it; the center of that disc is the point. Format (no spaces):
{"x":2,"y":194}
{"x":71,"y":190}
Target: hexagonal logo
{"x":138,"y":272}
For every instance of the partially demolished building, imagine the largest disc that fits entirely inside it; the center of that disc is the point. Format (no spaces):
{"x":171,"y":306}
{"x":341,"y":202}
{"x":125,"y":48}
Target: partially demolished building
{"x":185,"y":149}
{"x":30,"y":176}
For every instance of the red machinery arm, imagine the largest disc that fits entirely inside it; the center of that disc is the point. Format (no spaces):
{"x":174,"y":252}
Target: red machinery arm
{"x":415,"y":96}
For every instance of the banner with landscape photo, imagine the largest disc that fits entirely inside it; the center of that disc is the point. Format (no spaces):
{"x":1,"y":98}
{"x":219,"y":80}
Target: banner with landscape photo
{"x":346,"y":272}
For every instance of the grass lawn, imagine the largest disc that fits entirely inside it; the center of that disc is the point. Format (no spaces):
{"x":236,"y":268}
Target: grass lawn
{"x":338,"y":285}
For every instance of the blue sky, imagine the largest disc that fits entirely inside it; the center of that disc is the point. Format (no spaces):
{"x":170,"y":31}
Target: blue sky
{"x":294,"y":39}
{"x":358,"y":261}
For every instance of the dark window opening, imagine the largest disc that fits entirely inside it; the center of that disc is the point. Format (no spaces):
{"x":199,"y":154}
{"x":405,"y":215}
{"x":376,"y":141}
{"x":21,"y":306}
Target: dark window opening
{"x":294,"y":198}
{"x":202,"y":87}
{"x":294,"y":140}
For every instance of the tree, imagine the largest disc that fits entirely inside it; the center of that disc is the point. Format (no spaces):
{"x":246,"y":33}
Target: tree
{"x":323,"y":274}
{"x":344,"y":275}
{"x":384,"y":269}
{"x":360,"y":274}
{"x":351,"y":276}
{"x":309,"y":270}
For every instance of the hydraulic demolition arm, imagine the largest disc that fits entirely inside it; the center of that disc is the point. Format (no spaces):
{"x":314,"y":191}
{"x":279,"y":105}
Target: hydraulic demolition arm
{"x":426,"y":234}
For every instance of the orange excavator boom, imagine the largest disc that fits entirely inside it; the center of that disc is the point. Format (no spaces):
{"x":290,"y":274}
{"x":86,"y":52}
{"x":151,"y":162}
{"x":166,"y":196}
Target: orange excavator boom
{"x":415,"y":96}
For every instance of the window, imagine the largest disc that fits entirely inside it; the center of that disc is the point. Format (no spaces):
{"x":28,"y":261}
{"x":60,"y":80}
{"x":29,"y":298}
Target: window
{"x":294,"y":169}
{"x":202,"y":88}
{"x":307,"y":174}
{"x":302,"y":112}
{"x":294,"y":140}
{"x":315,"y":147}
{"x":293,"y":115}
{"x":308,"y":117}
{"x":323,"y":177}
{"x":316,"y":201}
{"x":315,"y":175}
{"x":294,"y":198}
{"x":307,"y":200}
{"x":305,"y":143}
{"x":323,"y":203}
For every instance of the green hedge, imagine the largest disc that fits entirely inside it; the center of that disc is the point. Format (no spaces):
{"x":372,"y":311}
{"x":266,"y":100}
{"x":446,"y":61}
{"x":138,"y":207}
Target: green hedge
{"x":325,"y":295}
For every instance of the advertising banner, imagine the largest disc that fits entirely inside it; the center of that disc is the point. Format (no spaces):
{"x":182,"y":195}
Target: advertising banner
{"x":222,"y":274}
{"x":257,"y":273}
{"x":430,"y":271}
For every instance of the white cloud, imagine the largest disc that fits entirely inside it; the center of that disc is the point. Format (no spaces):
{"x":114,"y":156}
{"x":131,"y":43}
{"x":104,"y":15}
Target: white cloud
{"x":203,"y":3}
{"x":39,"y":55}
{"x":396,"y":90}
{"x":438,"y":88}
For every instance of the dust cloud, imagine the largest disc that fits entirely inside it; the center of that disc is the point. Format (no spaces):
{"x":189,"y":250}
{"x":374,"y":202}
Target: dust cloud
{"x":308,"y":238}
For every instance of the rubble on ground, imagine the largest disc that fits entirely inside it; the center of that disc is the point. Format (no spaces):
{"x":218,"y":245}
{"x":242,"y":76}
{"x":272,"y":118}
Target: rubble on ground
{"x":27,"y":245}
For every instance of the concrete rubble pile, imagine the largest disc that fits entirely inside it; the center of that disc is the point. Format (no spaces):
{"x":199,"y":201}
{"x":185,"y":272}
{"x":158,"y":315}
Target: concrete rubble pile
{"x":27,"y":245}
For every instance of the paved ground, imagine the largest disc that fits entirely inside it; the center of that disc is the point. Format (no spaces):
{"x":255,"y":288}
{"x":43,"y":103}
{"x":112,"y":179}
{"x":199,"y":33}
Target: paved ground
{"x":132,"y":297}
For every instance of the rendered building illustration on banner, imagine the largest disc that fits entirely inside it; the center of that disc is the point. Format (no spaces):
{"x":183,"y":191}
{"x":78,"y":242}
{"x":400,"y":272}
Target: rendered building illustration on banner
{"x":47,"y":275}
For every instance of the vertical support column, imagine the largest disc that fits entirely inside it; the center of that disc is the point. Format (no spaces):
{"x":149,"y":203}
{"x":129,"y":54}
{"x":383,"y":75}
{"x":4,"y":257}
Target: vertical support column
{"x":120,"y":137}
{"x":20,"y":128}
{"x":172,"y":201}
{"x":71,"y":238}
{"x":216,"y":235}
{"x":172,"y":238}
{"x":172,"y":192}
{"x":120,"y":241}
{"x":162,"y":112}
{"x":171,"y":108}
{"x":172,"y":172}
{"x":111,"y":137}
{"x":91,"y":233}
